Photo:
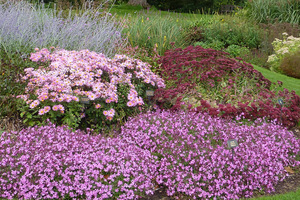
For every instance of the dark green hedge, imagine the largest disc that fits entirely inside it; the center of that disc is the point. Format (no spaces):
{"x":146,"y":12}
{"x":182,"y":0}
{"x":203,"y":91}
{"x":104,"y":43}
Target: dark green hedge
{"x":193,"y":5}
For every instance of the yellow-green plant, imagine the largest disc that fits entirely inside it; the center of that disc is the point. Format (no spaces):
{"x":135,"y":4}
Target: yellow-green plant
{"x":288,"y":45}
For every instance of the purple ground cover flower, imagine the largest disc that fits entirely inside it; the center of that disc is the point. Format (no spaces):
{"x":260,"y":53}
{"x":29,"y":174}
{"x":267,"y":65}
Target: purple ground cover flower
{"x":186,"y":152}
{"x":51,"y":162}
{"x":194,"y":158}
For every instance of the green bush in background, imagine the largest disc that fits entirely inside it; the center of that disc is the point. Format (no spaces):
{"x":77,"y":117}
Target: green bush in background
{"x":237,"y":51}
{"x":236,"y":32}
{"x":193,"y":5}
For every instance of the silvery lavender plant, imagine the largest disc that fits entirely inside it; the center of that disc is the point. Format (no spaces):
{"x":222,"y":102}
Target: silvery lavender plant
{"x":24,"y":27}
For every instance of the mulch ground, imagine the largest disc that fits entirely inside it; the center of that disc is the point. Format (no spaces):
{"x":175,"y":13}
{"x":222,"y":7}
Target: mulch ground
{"x":290,"y":184}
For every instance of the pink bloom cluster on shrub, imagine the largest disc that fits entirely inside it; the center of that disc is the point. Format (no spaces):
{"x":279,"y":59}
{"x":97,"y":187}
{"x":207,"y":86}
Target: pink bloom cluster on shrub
{"x":72,"y":74}
{"x":185,"y":152}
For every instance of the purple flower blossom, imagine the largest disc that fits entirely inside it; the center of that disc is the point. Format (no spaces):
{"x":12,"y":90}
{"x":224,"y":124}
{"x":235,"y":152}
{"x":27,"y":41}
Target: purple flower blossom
{"x":184,"y":151}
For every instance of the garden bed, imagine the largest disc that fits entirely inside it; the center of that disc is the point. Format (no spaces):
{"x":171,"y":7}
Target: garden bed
{"x":75,"y":120}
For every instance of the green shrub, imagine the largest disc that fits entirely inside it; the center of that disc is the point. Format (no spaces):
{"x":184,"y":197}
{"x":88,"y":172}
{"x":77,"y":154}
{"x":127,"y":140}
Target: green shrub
{"x":193,"y":5}
{"x":237,"y":51}
{"x":264,"y":11}
{"x":290,"y":65}
{"x":216,"y":44}
{"x":182,"y":5}
{"x":236,"y":32}
{"x":194,"y":34}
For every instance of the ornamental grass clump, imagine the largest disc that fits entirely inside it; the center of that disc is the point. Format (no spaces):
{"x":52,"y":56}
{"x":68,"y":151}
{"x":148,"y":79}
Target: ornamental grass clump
{"x":24,"y":27}
{"x":270,"y":11}
{"x":114,"y":87}
{"x":194,"y":159}
{"x":208,"y":80}
{"x":54,"y":163}
{"x":152,"y":30}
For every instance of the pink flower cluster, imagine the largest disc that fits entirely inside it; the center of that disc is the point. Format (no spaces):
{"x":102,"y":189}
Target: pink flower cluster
{"x":58,"y":107}
{"x":72,"y":74}
{"x":134,"y":99}
{"x":109,"y":114}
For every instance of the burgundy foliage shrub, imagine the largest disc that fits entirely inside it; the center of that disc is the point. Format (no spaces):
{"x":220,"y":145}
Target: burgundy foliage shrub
{"x":189,"y":68}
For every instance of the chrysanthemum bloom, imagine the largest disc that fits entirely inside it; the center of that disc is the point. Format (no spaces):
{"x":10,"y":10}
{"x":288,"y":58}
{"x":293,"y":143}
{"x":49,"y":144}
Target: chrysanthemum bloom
{"x":41,"y":112}
{"x":34,"y":104}
{"x":61,"y":107}
{"x":55,"y":108}
{"x":109,"y":118}
{"x":111,"y":112}
{"x":105,"y":112}
{"x":140,"y":101}
{"x":92,"y":97}
{"x":75,"y":98}
{"x":130,"y":97}
{"x":98,"y":106}
{"x":129,"y":104}
{"x":47,"y":109}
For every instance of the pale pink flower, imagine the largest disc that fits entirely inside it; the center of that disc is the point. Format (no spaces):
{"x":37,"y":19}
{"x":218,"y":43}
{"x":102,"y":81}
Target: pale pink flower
{"x":47,"y":109}
{"x":41,"y":112}
{"x":105,"y":112}
{"x":130,"y":97}
{"x":34,"y":104}
{"x":111,"y":112}
{"x":131,"y":103}
{"x":139,"y":101}
{"x":61,"y":107}
{"x":55,"y":108}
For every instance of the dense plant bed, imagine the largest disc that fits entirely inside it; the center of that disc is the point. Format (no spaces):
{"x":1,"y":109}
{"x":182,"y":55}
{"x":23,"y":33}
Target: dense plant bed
{"x":52,"y":162}
{"x":209,"y":80}
{"x":185,"y":152}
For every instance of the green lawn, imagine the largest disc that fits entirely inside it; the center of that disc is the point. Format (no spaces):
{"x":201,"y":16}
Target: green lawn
{"x":288,"y":82}
{"x":287,"y":196}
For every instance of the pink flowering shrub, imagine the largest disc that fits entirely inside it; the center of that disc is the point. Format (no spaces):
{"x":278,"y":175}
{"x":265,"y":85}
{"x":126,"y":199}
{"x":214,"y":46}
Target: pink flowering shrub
{"x":52,"y":162}
{"x":115,"y":87}
{"x":194,"y":159}
{"x":208,"y":80}
{"x":185,"y":152}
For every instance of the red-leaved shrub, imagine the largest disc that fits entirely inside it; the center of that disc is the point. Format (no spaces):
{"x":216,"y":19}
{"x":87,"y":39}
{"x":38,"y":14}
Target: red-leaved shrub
{"x":208,"y":80}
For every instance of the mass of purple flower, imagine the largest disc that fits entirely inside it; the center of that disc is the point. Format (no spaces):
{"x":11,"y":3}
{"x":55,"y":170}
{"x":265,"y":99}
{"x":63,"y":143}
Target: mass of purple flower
{"x":185,"y":152}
